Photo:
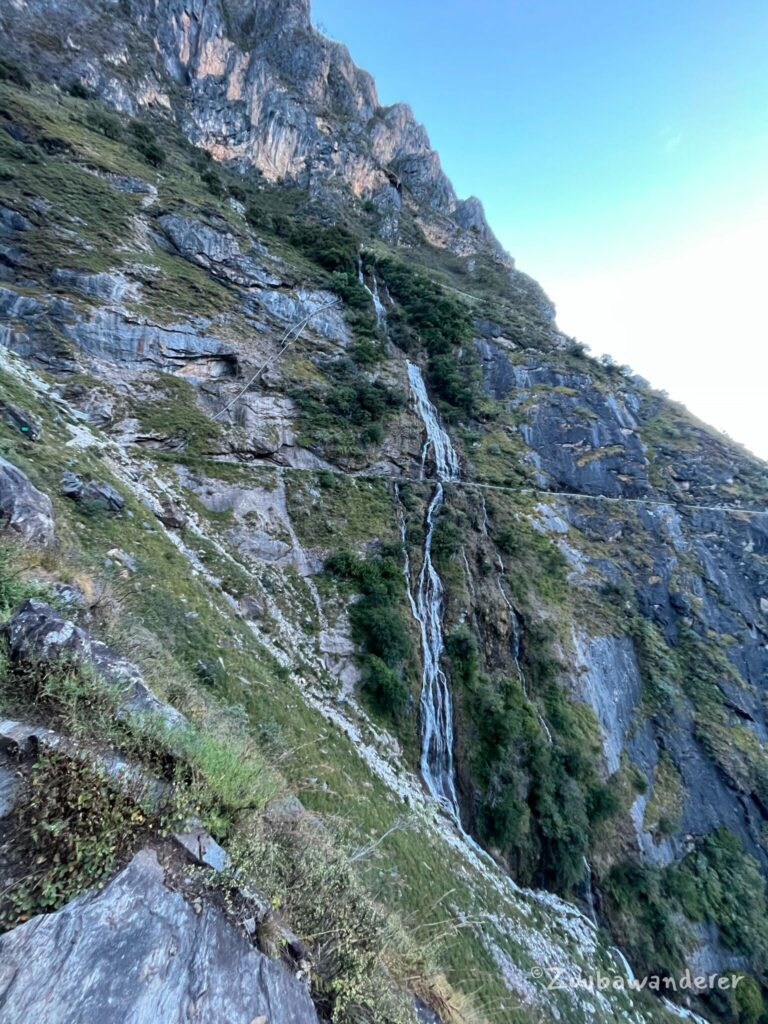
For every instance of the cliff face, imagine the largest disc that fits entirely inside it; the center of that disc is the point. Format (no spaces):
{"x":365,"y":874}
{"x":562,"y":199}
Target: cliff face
{"x":257,"y":85}
{"x":281,"y":425}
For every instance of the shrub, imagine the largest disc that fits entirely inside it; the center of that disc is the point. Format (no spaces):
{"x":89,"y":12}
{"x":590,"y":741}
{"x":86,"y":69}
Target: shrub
{"x":378,"y":625}
{"x":65,"y":837}
{"x":438,"y":321}
{"x":79,"y":90}
{"x":13,"y":588}
{"x":212,"y":182}
{"x":102,"y":121}
{"x":147,"y":144}
{"x":352,"y":401}
{"x":356,"y":948}
{"x":12,"y":72}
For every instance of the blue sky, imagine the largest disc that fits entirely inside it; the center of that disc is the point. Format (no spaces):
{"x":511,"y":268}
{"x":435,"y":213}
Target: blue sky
{"x":621,"y":150}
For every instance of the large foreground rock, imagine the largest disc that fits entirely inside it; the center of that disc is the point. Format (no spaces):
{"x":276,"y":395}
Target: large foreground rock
{"x":37,"y":633}
{"x":137,"y":953}
{"x":25,"y":510}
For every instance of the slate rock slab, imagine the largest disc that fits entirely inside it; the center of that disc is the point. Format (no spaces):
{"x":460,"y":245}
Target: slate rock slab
{"x":19,"y":420}
{"x":25,"y":510}
{"x":36,"y":632}
{"x":137,"y":953}
{"x":94,"y":493}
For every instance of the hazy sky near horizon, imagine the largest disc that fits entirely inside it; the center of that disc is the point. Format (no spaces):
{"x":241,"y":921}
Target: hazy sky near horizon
{"x":621,"y":152}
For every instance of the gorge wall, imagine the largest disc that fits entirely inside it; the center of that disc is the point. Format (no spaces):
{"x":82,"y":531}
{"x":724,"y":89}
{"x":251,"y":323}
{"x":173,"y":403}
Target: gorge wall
{"x":284,"y":427}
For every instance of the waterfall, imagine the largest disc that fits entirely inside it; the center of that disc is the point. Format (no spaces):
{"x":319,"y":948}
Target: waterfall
{"x":589,"y":892}
{"x":427,"y":607}
{"x":378,"y":305}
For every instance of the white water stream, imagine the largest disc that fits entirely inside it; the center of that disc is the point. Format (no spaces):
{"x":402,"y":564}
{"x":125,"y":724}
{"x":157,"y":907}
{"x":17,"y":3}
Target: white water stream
{"x":378,"y":305}
{"x":427,"y":606}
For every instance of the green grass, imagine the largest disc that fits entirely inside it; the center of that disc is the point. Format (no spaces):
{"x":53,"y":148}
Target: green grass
{"x":175,"y":416}
{"x":170,"y":620}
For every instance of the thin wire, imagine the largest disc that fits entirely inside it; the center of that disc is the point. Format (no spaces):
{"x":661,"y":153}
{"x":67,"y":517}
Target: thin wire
{"x":284,"y":342}
{"x":538,"y":491}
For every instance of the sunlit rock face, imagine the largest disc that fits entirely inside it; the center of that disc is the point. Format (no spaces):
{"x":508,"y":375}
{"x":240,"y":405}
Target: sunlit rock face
{"x":264,"y":88}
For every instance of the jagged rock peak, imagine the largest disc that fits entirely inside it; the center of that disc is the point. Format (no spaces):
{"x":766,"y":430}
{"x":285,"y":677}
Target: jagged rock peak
{"x":255,"y":83}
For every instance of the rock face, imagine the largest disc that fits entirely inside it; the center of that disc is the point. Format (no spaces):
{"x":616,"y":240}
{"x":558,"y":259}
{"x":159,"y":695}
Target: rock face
{"x":93,"y":493}
{"x":25,"y":510}
{"x":612,"y":687}
{"x":37,"y":633}
{"x":216,"y":251}
{"x":267,"y":90}
{"x":174,"y":964}
{"x":606,"y":555}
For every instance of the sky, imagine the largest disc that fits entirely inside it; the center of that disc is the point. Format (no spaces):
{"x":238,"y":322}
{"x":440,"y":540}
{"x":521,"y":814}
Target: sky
{"x":620,"y":148}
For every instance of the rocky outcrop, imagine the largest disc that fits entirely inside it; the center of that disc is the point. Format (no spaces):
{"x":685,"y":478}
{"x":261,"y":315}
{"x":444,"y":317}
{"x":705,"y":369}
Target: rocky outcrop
{"x":92,"y":494}
{"x":217,"y":251}
{"x":581,"y":438}
{"x":26,"y":511}
{"x":264,"y":89}
{"x":174,"y":962}
{"x":37,"y":634}
{"x":610,"y":683}
{"x":19,"y":421}
{"x":110,"y":335}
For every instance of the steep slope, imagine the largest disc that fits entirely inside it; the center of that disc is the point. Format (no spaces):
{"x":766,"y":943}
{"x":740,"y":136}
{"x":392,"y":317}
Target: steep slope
{"x":354,"y":495}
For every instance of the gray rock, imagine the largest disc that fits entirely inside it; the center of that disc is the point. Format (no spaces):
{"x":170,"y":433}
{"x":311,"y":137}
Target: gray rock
{"x":290,"y":307}
{"x":111,"y":287}
{"x":138,"y":343}
{"x":12,"y":221}
{"x":611,"y":684}
{"x":92,"y":493}
{"x":11,"y":787}
{"x":138,"y":953}
{"x":25,"y":510}
{"x":19,"y":420}
{"x":202,"y":848}
{"x":216,"y":251}
{"x":36,"y":632}
{"x":265,"y":423}
{"x":582,"y":438}
{"x":171,"y":515}
{"x":251,"y":607}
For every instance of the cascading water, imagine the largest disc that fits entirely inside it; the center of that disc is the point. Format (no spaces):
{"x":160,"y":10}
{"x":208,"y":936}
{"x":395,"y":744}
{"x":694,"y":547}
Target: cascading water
{"x":589,"y":892}
{"x":427,"y":607}
{"x":378,"y":305}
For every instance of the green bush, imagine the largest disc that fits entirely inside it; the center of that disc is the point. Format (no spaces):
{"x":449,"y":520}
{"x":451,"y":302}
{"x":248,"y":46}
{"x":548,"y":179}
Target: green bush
{"x":540,"y":801}
{"x":147,"y":144}
{"x":717,"y":882}
{"x":65,"y":837}
{"x":12,"y":72}
{"x":79,"y":90}
{"x":351,"y":404}
{"x":438,"y":321}
{"x":378,"y":625}
{"x":102,"y":121}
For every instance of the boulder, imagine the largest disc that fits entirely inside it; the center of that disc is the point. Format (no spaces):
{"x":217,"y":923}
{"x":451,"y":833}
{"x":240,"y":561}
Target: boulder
{"x":19,"y":420}
{"x":10,"y":787}
{"x":25,"y":510}
{"x":94,"y":493}
{"x":171,"y":515}
{"x":251,"y":607}
{"x":37,"y":633}
{"x":139,"y":952}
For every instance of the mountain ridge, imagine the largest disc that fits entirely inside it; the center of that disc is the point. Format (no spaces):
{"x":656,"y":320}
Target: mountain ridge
{"x":255,"y":541}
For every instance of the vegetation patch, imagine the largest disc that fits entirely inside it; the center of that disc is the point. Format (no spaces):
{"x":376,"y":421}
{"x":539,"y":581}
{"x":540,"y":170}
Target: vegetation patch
{"x":379,"y":627}
{"x":175,"y":416}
